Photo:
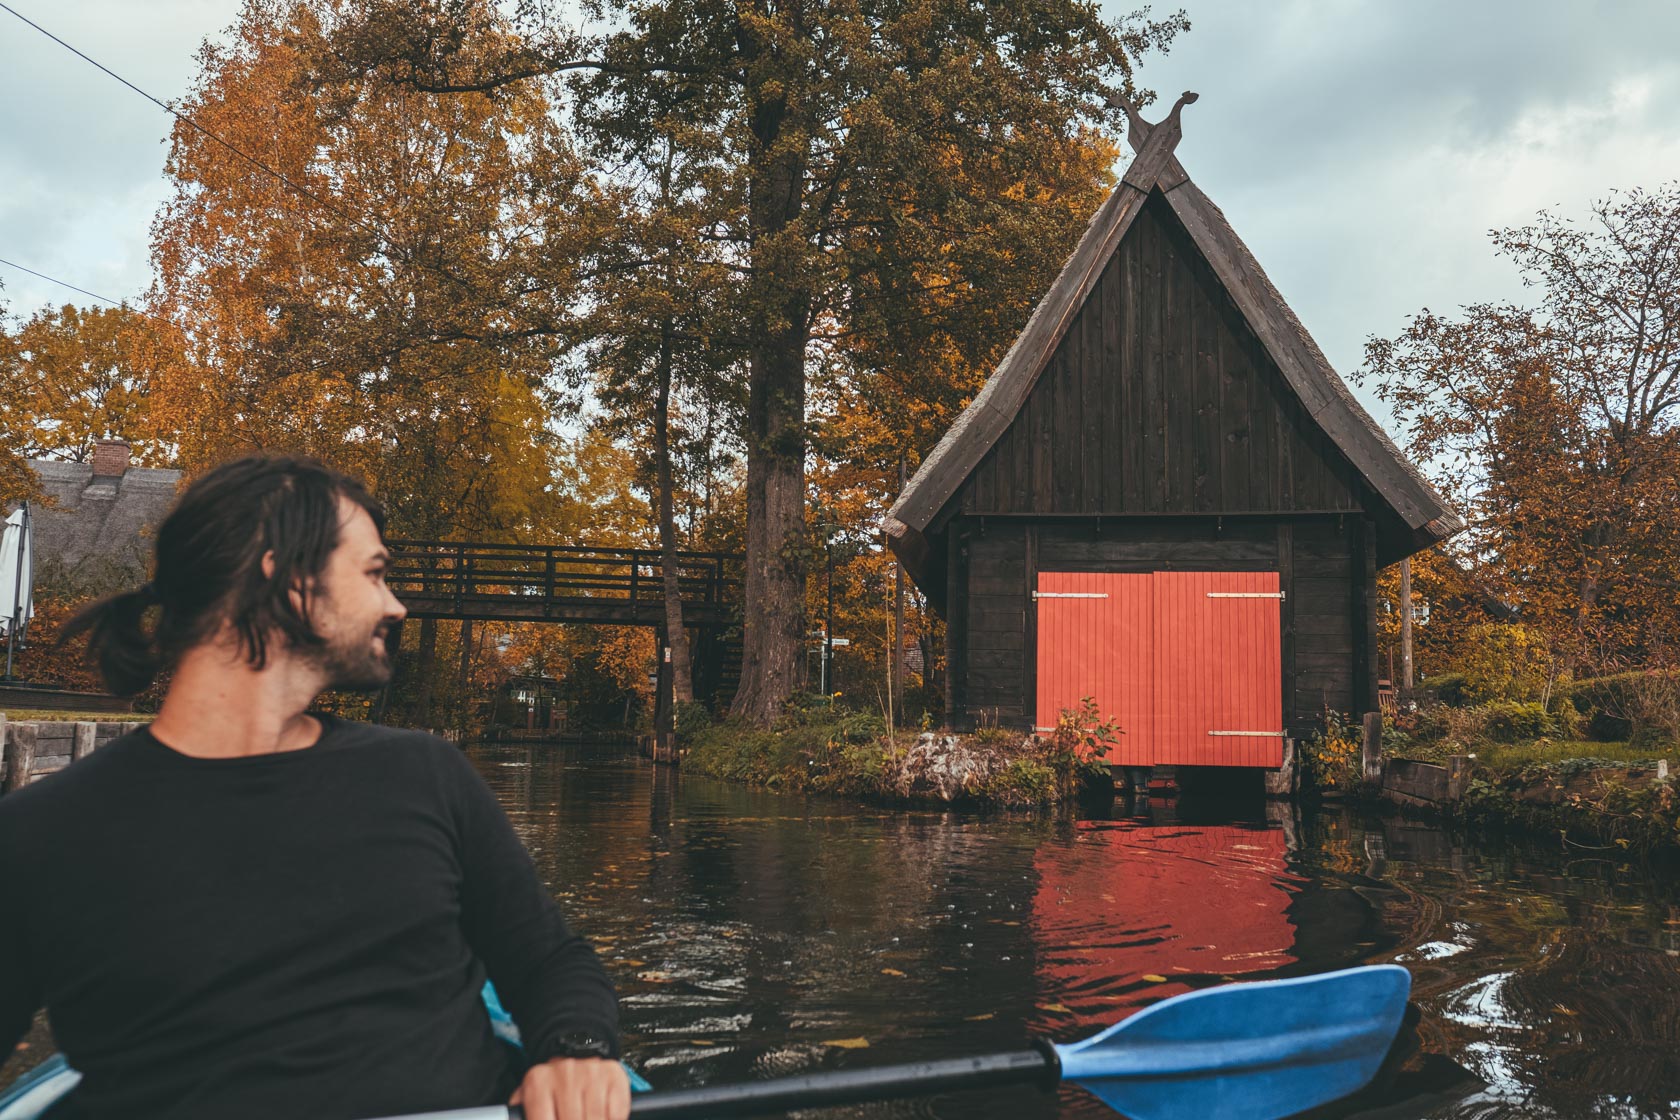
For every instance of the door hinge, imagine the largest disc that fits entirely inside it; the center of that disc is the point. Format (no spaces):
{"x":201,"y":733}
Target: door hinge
{"x":1245,"y":594}
{"x":1070,"y":594}
{"x":1272,"y":734}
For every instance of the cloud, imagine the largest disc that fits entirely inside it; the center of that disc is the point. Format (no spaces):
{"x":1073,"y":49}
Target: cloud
{"x":84,"y":154}
{"x":1364,"y":150}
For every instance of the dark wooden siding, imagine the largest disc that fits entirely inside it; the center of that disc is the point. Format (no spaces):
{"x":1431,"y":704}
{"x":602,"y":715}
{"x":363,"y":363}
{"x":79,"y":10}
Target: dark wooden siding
{"x":996,"y":565}
{"x":1159,"y":400}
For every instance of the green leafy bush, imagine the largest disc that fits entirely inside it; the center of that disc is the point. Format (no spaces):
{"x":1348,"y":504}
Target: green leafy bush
{"x":1567,"y":721}
{"x":1511,"y":722}
{"x":689,"y":719}
{"x":1643,"y":705}
{"x":1451,"y":689}
{"x":1023,"y":782}
{"x":1331,"y":758}
{"x":1508,"y":661}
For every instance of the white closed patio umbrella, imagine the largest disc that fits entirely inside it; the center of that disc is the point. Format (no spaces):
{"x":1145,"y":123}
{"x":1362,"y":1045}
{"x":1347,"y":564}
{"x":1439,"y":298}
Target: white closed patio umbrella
{"x":17,"y":580}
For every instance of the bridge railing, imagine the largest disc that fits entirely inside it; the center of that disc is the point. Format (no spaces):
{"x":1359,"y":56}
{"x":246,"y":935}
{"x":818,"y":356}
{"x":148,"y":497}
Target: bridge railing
{"x":463,"y":571}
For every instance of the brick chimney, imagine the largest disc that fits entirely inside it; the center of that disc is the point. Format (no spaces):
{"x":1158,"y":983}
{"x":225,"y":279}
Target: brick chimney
{"x":110,"y":458}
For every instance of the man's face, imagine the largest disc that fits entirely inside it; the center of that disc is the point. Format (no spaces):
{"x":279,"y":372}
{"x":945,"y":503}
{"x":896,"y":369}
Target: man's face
{"x":352,"y":608}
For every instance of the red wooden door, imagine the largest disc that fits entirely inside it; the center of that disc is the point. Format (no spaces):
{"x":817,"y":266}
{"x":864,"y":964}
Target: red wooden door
{"x":1188,"y":664}
{"x":1218,"y":669}
{"x":1095,"y":633}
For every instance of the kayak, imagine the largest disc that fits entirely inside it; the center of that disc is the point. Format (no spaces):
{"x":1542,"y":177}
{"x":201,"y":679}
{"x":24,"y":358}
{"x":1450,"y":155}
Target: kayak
{"x":40,"y":1088}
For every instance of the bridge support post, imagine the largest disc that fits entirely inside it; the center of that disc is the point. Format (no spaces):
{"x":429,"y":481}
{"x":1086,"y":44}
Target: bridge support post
{"x":664,"y":706}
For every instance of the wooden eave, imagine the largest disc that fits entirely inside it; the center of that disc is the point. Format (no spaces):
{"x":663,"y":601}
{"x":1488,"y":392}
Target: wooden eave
{"x":1321,"y":391}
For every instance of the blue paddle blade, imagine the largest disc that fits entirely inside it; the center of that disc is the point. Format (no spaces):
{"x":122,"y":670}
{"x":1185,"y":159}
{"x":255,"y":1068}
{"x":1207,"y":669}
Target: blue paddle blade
{"x":1255,"y":1051}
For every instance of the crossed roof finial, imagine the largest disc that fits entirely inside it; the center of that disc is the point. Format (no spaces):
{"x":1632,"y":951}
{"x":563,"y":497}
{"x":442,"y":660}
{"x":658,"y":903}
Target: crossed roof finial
{"x":1141,"y":130}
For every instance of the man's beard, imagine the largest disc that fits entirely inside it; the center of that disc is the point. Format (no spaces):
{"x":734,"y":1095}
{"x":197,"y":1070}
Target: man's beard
{"x":357,"y":666}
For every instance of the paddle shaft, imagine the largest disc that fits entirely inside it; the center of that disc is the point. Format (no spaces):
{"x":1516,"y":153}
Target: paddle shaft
{"x":811,"y":1090}
{"x":850,"y":1086}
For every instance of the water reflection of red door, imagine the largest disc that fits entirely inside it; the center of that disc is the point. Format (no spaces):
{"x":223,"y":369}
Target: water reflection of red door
{"x":1125,"y":904}
{"x":1187,"y":664}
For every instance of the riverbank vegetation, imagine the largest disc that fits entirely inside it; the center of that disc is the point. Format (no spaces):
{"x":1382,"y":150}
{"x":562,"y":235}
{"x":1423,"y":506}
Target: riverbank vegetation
{"x":1595,"y":762}
{"x":819,"y":746}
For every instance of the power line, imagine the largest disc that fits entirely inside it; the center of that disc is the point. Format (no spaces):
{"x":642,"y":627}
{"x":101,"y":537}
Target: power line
{"x":64,"y":284}
{"x":121,"y":305}
{"x":184,"y":119}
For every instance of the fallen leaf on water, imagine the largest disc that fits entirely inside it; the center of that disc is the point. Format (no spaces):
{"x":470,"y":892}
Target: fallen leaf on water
{"x":1057,"y":1008}
{"x":699,"y":1042}
{"x":849,"y":1043}
{"x":633,"y":964}
{"x":982,"y":1018}
{"x":1153,"y":978}
{"x":654,"y":977}
{"x":891,"y":972}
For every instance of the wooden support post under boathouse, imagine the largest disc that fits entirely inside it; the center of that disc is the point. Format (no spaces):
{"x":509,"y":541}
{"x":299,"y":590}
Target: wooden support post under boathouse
{"x":1163,"y":499}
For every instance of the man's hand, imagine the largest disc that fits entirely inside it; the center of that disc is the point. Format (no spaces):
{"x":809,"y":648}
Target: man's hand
{"x":575,"y":1089}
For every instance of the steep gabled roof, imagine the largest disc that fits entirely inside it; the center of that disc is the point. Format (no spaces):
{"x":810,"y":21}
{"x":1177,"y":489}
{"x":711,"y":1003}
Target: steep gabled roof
{"x":1321,"y":391}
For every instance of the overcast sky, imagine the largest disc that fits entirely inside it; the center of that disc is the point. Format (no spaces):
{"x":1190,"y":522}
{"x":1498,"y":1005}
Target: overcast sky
{"x":1362,"y":148}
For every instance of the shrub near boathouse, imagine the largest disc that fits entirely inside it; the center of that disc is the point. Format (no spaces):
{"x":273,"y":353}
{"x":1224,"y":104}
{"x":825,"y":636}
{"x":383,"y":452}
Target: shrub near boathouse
{"x":820,"y":747}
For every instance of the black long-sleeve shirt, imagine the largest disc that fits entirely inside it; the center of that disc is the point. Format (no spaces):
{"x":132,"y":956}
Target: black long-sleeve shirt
{"x":292,"y":935}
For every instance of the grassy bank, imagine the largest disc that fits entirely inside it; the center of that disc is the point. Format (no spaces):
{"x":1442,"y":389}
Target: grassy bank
{"x":818,"y":747}
{"x":1530,"y":768}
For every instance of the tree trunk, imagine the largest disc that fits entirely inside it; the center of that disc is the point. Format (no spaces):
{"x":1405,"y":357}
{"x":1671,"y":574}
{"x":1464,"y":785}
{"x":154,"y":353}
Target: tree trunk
{"x":424,"y":665}
{"x":895,"y":686}
{"x":464,"y":676}
{"x":1406,"y":682}
{"x":676,"y":634}
{"x":775,"y":576}
{"x":779,"y":312}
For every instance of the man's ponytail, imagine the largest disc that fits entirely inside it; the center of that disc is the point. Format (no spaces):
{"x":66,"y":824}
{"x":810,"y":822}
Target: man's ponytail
{"x":118,"y":641}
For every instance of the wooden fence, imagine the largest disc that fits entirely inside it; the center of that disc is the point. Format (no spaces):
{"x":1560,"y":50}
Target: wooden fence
{"x":30,"y":749}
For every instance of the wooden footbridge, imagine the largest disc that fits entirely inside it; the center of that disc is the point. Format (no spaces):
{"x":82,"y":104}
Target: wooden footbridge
{"x":560,"y":583}
{"x":475,"y":581}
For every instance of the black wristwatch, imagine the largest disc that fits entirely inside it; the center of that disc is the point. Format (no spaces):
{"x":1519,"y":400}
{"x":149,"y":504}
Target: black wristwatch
{"x":582,"y":1044}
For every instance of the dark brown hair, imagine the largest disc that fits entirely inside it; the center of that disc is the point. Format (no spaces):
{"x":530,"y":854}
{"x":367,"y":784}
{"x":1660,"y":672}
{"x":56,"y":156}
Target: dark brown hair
{"x":209,"y":568}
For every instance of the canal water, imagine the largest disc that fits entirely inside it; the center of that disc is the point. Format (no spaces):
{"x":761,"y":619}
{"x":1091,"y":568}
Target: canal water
{"x":753,"y":934}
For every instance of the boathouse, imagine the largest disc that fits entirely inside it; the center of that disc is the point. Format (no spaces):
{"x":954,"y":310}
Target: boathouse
{"x":1164,"y":499}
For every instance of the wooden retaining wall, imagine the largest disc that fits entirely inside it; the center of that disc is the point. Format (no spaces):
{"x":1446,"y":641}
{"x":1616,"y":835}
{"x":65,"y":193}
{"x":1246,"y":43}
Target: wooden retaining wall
{"x":1424,"y":784}
{"x":31,"y":749}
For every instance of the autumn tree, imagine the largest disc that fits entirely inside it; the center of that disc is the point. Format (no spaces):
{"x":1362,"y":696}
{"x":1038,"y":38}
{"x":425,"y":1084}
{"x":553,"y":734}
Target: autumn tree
{"x":1557,"y":427}
{"x":830,"y":123}
{"x":390,"y":290}
{"x":655,"y":339}
{"x":72,"y":375}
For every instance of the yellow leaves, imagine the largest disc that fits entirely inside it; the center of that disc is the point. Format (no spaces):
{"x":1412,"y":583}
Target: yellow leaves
{"x":848,"y":1043}
{"x":891,"y":972}
{"x":1154,"y":978}
{"x":72,"y":375}
{"x":1056,"y":1008}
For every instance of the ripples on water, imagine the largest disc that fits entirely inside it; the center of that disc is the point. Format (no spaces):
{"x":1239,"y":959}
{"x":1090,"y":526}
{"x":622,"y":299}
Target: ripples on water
{"x":754,"y":934}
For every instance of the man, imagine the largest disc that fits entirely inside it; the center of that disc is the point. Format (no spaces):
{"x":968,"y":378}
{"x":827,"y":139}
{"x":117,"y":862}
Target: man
{"x":248,"y":910}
